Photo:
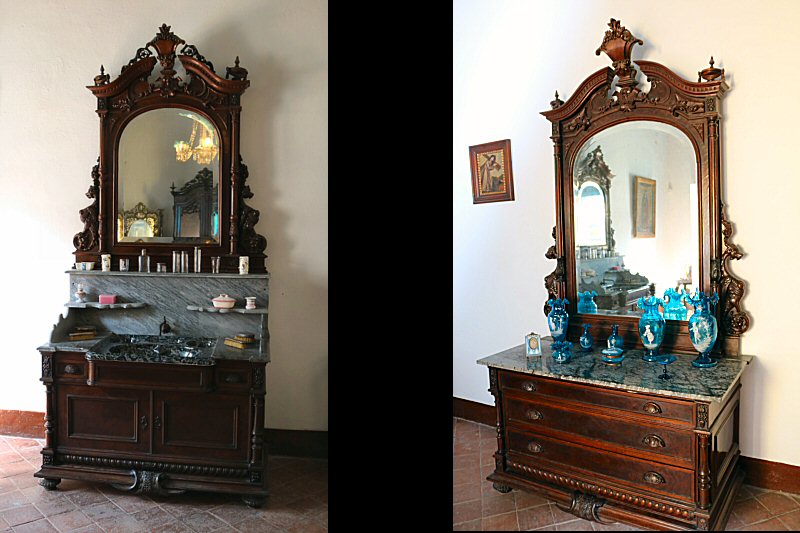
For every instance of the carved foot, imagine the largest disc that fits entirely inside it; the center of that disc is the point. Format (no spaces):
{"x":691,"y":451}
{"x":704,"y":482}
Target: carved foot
{"x":50,"y":483}
{"x":253,"y":501}
{"x":499,"y":487}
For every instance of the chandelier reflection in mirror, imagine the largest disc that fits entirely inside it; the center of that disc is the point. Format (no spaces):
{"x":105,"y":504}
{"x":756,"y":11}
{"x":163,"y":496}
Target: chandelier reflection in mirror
{"x":206,"y":149}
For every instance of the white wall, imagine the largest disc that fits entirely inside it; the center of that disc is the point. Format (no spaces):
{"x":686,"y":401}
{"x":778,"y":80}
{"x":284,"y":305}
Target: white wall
{"x":510,"y":56}
{"x":51,"y":50}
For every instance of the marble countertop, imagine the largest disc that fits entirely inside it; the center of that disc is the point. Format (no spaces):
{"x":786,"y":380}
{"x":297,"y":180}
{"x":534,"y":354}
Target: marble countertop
{"x":634,"y":374}
{"x":221,"y":352}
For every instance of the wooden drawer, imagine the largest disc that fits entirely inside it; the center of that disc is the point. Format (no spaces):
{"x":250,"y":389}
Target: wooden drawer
{"x":67,"y":369}
{"x":646,"y":406}
{"x":537,"y":451}
{"x":150,"y":375}
{"x":662,"y":443}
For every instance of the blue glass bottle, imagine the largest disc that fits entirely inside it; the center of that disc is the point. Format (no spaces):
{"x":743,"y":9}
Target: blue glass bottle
{"x":558,"y":319}
{"x":674,"y":308}
{"x":587,"y":341}
{"x":586,"y":303}
{"x":651,"y":326}
{"x":703,"y":328}
{"x":614,"y":340}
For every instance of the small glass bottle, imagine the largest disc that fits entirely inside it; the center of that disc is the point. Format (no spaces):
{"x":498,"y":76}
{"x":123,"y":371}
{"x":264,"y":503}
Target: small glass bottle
{"x":176,"y":261}
{"x":144,"y":261}
{"x":197,"y":258}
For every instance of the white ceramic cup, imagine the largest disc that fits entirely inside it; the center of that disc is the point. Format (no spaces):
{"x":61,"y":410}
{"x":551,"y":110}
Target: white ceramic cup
{"x":244,"y":264}
{"x":105,"y":262}
{"x":251,"y":302}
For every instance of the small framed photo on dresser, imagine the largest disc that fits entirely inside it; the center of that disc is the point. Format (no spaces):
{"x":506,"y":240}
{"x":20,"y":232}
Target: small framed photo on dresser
{"x":533,"y":344}
{"x":492,"y":180}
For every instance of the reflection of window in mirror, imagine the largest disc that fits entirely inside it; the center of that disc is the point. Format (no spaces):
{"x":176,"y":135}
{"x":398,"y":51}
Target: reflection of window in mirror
{"x":590,"y":211}
{"x":140,"y":229}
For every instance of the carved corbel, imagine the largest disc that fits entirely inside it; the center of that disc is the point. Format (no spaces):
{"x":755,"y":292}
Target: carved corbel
{"x":553,"y":281}
{"x":88,"y":238}
{"x":735,"y":321}
{"x":584,"y":506}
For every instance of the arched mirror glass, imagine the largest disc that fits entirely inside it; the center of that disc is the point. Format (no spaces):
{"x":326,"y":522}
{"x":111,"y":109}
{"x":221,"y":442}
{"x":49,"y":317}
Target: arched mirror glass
{"x":168,"y":178}
{"x":635,"y":214}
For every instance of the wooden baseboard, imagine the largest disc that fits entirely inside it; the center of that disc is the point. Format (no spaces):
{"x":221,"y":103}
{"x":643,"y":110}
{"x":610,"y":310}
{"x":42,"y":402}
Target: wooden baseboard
{"x":758,"y":472}
{"x":279,"y":441}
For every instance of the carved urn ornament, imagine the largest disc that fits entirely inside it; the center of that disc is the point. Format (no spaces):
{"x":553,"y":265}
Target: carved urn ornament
{"x":612,"y":110}
{"x":212,"y":104}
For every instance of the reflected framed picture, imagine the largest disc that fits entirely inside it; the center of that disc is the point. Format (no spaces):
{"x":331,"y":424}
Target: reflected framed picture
{"x":492,"y":179}
{"x":644,"y":207}
{"x":533,"y":344}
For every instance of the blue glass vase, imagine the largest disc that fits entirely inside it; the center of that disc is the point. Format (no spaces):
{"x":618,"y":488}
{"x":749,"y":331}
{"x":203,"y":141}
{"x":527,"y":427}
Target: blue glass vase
{"x":674,"y":308}
{"x":614,"y":340}
{"x":703,"y":328}
{"x":587,"y":341}
{"x":558,"y":319}
{"x":651,"y":326}
{"x":586,"y":303}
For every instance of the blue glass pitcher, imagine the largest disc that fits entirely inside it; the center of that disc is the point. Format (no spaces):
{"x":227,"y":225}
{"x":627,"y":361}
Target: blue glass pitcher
{"x":674,"y":309}
{"x":586,"y":303}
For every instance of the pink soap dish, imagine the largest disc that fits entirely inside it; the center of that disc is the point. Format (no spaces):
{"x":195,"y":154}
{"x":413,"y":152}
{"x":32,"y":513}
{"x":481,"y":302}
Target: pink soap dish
{"x":108,"y":298}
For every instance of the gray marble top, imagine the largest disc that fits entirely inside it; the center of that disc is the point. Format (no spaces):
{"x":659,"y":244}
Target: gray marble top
{"x":168,"y":274}
{"x":634,"y":374}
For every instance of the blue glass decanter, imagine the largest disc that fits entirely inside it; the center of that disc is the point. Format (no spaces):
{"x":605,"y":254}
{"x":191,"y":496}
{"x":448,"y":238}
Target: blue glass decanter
{"x":651,"y":326}
{"x":674,"y":308}
{"x":587,"y":341}
{"x":703,"y":328}
{"x":614,"y":340}
{"x":557,"y":321}
{"x":586,"y":303}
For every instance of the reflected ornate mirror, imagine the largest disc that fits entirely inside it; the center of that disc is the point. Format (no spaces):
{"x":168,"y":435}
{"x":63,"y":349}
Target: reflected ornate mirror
{"x":638,"y":196}
{"x":169,"y":144}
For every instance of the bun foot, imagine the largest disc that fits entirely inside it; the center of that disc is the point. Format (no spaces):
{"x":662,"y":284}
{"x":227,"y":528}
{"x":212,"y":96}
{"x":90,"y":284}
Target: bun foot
{"x":254,"y":501}
{"x":50,"y":483}
{"x":499,"y":487}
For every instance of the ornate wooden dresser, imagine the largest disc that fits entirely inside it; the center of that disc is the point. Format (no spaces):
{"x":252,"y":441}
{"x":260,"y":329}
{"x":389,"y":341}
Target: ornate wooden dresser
{"x":616,"y":443}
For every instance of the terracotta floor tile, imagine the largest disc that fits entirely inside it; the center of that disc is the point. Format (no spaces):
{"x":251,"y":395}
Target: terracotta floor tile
{"x":560,"y":516}
{"x":525,"y":499}
{"x":535,"y":517}
{"x":85,"y":497}
{"x":472,"y":525}
{"x":575,"y":525}
{"x":777,"y":502}
{"x":466,"y":492}
{"x":37,"y":526}
{"x":773,"y":524}
{"x":734,"y":522}
{"x":466,"y":475}
{"x":6,"y":485}
{"x":257,"y":525}
{"x":71,"y":520}
{"x":91,"y":528}
{"x":500,"y":504}
{"x":120,"y":524}
{"x":472,"y":446}
{"x":12,"y":499}
{"x":750,"y":511}
{"x":308,"y":525}
{"x":133,"y":503}
{"x":468,"y":460}
{"x":612,"y":527}
{"x":466,"y":511}
{"x":173,"y":526}
{"x":231,"y":513}
{"x":791,"y":520}
{"x":21,"y":515}
{"x":500,"y":522}
{"x":152,"y":518}
{"x":101,"y":511}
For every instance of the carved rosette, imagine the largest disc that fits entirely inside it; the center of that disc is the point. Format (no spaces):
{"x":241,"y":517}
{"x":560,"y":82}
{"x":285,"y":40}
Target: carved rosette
{"x":87,"y":239}
{"x":553,"y":281}
{"x":735,"y":321}
{"x":702,"y":416}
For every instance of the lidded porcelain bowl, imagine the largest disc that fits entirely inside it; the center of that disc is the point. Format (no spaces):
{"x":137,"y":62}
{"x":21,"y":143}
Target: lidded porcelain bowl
{"x":223,"y":301}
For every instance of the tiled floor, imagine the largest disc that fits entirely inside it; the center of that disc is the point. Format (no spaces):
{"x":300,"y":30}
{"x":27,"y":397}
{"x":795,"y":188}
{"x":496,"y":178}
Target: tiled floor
{"x":298,"y":501}
{"x":477,"y":506}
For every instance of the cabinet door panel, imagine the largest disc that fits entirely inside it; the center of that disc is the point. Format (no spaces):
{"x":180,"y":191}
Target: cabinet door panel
{"x":106,"y":419}
{"x":208,"y":424}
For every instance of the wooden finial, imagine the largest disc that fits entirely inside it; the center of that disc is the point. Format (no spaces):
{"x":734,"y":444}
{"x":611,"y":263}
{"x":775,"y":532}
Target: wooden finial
{"x":557,"y":102}
{"x":710,"y":73}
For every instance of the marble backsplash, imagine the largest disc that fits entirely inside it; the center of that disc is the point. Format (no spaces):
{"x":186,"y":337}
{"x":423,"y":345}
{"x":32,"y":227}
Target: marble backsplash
{"x":166,"y":295}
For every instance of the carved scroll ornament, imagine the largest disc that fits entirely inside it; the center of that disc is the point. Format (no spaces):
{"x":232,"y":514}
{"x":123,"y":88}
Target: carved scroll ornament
{"x":735,"y":321}
{"x":88,"y":238}
{"x":553,"y":281}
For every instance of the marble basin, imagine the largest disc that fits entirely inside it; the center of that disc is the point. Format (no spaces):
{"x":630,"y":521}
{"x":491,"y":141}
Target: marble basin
{"x":156,"y":348}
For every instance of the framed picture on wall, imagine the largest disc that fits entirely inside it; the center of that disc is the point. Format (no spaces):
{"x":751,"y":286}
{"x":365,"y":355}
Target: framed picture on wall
{"x":492,"y":180}
{"x":644,"y":207}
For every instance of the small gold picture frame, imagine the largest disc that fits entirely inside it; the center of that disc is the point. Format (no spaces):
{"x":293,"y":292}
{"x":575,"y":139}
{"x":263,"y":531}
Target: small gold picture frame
{"x":533,"y":344}
{"x":492,"y":180}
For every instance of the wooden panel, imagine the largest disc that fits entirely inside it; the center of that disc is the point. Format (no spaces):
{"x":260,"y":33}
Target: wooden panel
{"x":209,"y":423}
{"x":644,"y":405}
{"x":92,"y":417}
{"x":663,"y":443}
{"x":539,"y":450}
{"x":152,"y":375}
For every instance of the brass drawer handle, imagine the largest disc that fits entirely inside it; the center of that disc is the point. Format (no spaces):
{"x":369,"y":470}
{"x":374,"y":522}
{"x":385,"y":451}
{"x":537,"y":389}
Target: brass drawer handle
{"x":533,"y":414}
{"x":535,"y":447}
{"x":157,"y":422}
{"x":654,"y":441}
{"x":529,"y":386}
{"x":654,"y":478}
{"x":72,"y":369}
{"x":652,"y":408}
{"x":143,"y":422}
{"x":233,"y":378}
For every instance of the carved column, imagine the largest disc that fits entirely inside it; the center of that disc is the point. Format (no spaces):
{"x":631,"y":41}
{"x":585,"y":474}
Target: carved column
{"x":257,"y":435}
{"x":704,"y":479}
{"x":50,"y":408}
{"x":500,"y":454}
{"x":235,"y":185}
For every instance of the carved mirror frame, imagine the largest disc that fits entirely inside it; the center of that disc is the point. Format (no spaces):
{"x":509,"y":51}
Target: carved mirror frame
{"x":693,"y":108}
{"x":204,"y":92}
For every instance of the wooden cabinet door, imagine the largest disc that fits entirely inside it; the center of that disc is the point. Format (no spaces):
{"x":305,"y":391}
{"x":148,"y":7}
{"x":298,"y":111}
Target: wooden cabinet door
{"x":211,"y":425}
{"x":95,"y":418}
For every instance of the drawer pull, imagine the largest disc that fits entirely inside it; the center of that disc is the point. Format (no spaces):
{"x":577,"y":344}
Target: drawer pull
{"x":529,"y":386}
{"x":157,"y":422}
{"x":654,"y":478}
{"x":535,"y":447}
{"x":143,"y":422}
{"x":72,"y":369}
{"x":654,"y":441}
{"x":233,"y":378}
{"x":533,"y":414}
{"x":652,"y":408}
